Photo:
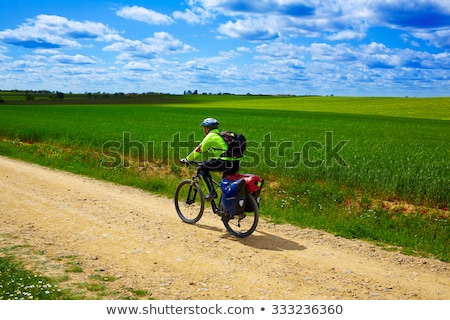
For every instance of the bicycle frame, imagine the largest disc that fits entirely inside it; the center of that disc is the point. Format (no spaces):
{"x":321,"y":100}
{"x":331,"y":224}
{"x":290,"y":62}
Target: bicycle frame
{"x":214,"y":206}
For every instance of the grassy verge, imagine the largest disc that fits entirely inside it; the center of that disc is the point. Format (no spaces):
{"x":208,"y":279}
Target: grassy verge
{"x":17,"y":283}
{"x":22,"y":277}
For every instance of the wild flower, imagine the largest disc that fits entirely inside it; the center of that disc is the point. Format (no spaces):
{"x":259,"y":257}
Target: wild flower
{"x":19,"y":284}
{"x":287,"y":199}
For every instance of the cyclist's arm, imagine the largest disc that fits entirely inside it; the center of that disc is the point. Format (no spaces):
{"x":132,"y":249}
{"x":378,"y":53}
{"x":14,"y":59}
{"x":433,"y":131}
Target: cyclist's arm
{"x":201,"y":148}
{"x":194,"y":155}
{"x":213,"y":142}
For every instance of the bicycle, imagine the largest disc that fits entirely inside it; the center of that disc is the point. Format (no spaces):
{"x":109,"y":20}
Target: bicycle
{"x":190,"y":205}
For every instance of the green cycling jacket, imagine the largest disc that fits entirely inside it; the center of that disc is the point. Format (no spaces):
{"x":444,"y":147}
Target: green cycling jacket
{"x":212,"y":143}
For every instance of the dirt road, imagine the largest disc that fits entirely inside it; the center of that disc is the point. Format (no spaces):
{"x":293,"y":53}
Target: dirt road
{"x":138,"y":239}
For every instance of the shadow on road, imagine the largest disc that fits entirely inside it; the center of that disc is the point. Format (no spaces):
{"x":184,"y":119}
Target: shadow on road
{"x":266,"y":241}
{"x":259,"y":240}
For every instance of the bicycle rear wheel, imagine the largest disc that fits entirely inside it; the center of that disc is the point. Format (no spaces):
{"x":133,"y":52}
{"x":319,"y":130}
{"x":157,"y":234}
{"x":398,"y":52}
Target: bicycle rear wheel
{"x":189,"y":201}
{"x":243,"y":225}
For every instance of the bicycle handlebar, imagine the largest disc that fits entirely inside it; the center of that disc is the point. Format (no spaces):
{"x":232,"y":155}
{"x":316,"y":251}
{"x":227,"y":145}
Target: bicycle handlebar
{"x":187,"y":162}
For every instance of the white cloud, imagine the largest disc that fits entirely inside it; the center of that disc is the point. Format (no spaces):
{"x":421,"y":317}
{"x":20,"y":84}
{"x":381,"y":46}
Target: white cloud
{"x":250,"y":29}
{"x":347,"y":35}
{"x":21,"y":65}
{"x":244,"y":49}
{"x":438,"y":38}
{"x":289,"y":19}
{"x":138,"y":65}
{"x":162,"y":43}
{"x":337,"y":53}
{"x":336,"y":20}
{"x":75,"y":59}
{"x":47,"y":51}
{"x":195,"y":15}
{"x":4,"y":58}
{"x":188,"y":16}
{"x":144,"y":15}
{"x":223,"y":57}
{"x":51,"y":32}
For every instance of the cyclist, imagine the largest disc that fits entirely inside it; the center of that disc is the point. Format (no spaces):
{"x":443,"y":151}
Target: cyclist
{"x":215,"y":144}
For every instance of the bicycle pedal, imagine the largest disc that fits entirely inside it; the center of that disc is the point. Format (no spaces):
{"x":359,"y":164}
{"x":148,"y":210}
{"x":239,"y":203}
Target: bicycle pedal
{"x":210,"y":197}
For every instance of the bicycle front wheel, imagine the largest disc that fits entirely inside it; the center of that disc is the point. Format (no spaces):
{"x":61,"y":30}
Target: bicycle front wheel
{"x":189,"y":201}
{"x":243,"y":225}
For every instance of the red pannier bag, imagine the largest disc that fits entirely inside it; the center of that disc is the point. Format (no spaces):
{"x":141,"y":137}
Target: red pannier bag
{"x":253,"y":184}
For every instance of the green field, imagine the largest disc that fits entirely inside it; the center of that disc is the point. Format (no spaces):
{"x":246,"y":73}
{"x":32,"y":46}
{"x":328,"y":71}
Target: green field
{"x":370,"y":168}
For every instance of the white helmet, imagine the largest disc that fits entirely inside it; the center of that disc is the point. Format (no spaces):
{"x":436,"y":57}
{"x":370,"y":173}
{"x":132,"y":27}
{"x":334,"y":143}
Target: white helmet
{"x":210,"y":123}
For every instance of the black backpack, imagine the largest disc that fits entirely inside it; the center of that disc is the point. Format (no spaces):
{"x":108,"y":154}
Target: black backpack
{"x":236,"y":144}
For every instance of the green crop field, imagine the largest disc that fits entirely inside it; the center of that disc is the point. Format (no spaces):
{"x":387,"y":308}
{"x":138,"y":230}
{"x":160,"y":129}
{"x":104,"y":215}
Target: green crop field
{"x":371,"y":168}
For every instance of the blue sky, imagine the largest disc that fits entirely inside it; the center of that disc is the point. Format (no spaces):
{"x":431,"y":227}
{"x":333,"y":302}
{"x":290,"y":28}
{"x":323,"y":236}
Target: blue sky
{"x":299,"y":47}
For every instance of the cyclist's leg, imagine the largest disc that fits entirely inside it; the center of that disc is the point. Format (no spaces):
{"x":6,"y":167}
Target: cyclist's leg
{"x":204,"y":171}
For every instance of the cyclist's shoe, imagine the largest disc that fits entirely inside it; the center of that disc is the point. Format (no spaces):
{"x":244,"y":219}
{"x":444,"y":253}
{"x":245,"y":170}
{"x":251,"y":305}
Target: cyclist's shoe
{"x":211,"y":196}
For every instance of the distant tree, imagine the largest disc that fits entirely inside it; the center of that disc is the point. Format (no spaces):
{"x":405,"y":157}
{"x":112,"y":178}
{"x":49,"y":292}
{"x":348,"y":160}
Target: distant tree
{"x":2,"y":101}
{"x":59,"y":95}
